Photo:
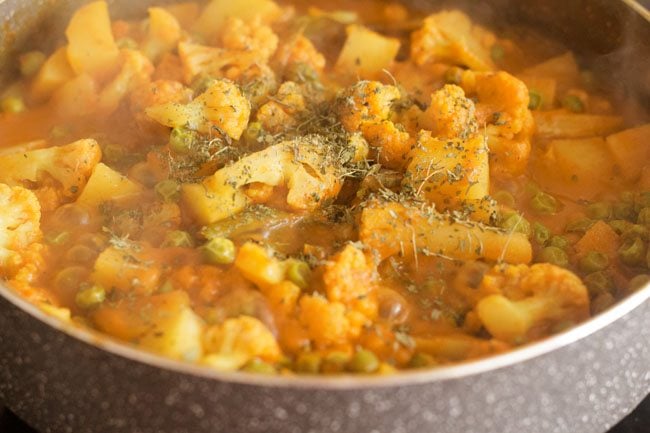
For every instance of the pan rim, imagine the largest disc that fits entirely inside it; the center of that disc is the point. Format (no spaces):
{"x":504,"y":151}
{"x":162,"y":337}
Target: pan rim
{"x":342,"y":382}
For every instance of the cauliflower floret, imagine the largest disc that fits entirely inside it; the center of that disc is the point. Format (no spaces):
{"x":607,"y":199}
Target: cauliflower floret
{"x":19,"y":228}
{"x":278,"y":114}
{"x":451,"y":114}
{"x":350,"y":279}
{"x":502,"y":106}
{"x":366,"y":108}
{"x":136,"y":71}
{"x":299,"y":51}
{"x":366,"y":102}
{"x":61,"y":172}
{"x":450,"y":36}
{"x":530,"y":301}
{"x":158,"y":92}
{"x":235,"y":342}
{"x":254,"y":37}
{"x":221,"y":109}
{"x":326,"y":322}
{"x":198,"y":60}
{"x":308,"y":173}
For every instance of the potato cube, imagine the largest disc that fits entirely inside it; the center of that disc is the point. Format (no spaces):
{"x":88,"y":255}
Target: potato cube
{"x":366,"y":53}
{"x":631,"y":150}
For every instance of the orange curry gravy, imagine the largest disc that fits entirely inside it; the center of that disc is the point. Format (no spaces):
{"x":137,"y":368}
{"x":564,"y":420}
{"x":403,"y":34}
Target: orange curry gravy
{"x":320,"y":189}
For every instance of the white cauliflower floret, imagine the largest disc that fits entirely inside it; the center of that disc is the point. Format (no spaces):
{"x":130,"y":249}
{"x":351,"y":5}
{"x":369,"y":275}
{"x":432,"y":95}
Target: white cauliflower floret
{"x":232,"y":344}
{"x":307,"y":172}
{"x":19,"y":227}
{"x":366,"y":108}
{"x":59,"y":173}
{"x":221,"y":109}
{"x":528,"y":302}
{"x":136,"y":71}
{"x":450,"y":36}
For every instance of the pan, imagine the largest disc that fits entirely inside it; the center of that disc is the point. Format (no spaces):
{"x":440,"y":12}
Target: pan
{"x":60,"y":378}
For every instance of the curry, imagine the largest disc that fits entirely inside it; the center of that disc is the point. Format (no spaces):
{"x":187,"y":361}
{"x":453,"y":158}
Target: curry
{"x":284,"y":189}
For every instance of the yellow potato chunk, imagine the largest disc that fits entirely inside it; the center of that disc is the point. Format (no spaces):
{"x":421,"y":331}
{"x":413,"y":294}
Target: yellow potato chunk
{"x":631,"y":150}
{"x":366,"y":53}
{"x":106,"y":184}
{"x":91,"y":46}
{"x":55,"y":71}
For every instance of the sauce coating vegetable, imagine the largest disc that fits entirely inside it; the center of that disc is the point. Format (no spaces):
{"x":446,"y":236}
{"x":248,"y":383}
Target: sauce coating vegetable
{"x":287,"y":190}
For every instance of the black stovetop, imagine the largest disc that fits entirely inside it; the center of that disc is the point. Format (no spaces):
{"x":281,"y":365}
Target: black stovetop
{"x":637,"y":422}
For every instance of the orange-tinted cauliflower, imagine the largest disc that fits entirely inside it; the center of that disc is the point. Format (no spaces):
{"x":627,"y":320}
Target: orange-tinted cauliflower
{"x":502,"y":108}
{"x":366,"y":108}
{"x":299,"y":51}
{"x":451,"y":114}
{"x":257,"y":38}
{"x":530,"y":301}
{"x":279,"y":113}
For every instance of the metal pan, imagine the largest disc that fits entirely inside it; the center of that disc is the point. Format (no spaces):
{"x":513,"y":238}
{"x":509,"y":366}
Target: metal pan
{"x":63,"y":379}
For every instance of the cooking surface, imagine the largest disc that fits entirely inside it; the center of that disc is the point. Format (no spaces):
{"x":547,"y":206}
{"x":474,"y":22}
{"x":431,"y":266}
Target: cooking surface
{"x":636,"y":422}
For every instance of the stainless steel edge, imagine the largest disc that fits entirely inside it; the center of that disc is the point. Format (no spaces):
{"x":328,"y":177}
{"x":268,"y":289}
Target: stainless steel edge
{"x":343,"y":382}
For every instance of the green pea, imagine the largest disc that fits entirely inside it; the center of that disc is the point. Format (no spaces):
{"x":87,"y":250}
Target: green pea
{"x":541,"y":234}
{"x":252,"y":133}
{"x":580,"y":226}
{"x":535,"y":99}
{"x":308,"y":363}
{"x":167,"y":287}
{"x":31,"y":62}
{"x":60,"y":131}
{"x":544,"y":203}
{"x":454,"y":75}
{"x":633,"y":252}
{"x":498,"y":53}
{"x":178,"y":239}
{"x":644,"y":217}
{"x":594,"y":261}
{"x":559,"y":242}
{"x":514,"y":222}
{"x":599,"y":211}
{"x":12,"y":104}
{"x":58,"y":238}
{"x":181,"y":140}
{"x":505,"y":198}
{"x":364,"y":361}
{"x":636,"y":231}
{"x":598,"y":283}
{"x":203,"y":83}
{"x":299,"y":273}
{"x":127,"y":43}
{"x":259,"y":366}
{"x":219,"y":251}
{"x":169,"y":190}
{"x":573,"y":103}
{"x":113,"y":152}
{"x":421,"y":360}
{"x":602,"y":302}
{"x":91,"y":297}
{"x":335,"y":362}
{"x":620,"y":226}
{"x":623,"y":211}
{"x":638,"y":282}
{"x":641,"y":200}
{"x":554,"y":256}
